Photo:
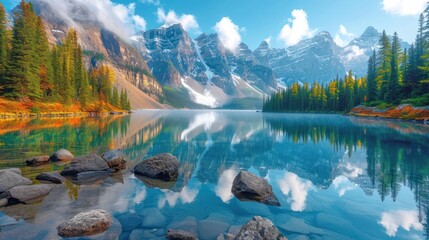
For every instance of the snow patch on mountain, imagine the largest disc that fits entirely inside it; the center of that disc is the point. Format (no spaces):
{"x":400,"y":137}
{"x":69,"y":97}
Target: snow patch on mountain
{"x":205,"y":98}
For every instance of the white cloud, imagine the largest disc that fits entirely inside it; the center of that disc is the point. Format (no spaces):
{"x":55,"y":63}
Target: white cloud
{"x":187,"y":195}
{"x":268,"y":40}
{"x":391,"y":221}
{"x":228,"y":34}
{"x":353,"y":52}
{"x":298,"y":189}
{"x":343,"y":37}
{"x":404,"y":7}
{"x":343,"y":31}
{"x":297,"y":29}
{"x":117,"y":18}
{"x":152,"y":2}
{"x":188,"y":22}
{"x":224,"y":185}
{"x":140,"y":22}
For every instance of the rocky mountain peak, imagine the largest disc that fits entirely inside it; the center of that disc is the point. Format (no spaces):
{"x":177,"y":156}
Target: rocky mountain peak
{"x":370,"y":32}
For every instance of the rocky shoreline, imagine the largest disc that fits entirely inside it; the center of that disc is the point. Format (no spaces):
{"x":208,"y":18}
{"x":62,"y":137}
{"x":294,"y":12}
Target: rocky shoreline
{"x":16,"y":189}
{"x":57,"y":115}
{"x":401,"y":112}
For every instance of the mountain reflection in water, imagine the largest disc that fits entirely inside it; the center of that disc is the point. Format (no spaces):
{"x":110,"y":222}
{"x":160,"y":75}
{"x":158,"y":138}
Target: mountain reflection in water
{"x":336,"y":177}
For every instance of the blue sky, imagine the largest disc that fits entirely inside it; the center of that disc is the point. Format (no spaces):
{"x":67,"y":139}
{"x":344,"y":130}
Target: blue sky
{"x":252,"y":21}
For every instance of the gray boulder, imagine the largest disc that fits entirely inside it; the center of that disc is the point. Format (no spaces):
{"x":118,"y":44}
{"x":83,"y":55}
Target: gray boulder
{"x":9,"y":179}
{"x":61,"y":155}
{"x":247,"y":186}
{"x":53,"y":177}
{"x":15,"y":170}
{"x":259,"y":228}
{"x":179,"y":235}
{"x":116,"y":159}
{"x":87,"y":163}
{"x":85,"y":224}
{"x":28,"y":194}
{"x":37,"y":160}
{"x":163,"y":166}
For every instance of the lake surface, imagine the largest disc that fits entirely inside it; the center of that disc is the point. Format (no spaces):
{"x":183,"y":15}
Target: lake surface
{"x":336,"y":177}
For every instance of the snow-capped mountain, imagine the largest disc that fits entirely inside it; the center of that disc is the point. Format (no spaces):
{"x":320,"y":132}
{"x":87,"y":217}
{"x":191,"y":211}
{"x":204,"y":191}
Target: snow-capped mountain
{"x":356,"y":54}
{"x":314,"y":59}
{"x":211,"y":74}
{"x":319,"y":58}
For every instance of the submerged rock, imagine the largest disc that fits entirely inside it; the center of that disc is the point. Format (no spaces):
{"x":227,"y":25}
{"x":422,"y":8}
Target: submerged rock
{"x":247,"y":186}
{"x":179,"y":235}
{"x":84,"y":178}
{"x":61,"y":155}
{"x":53,"y":177}
{"x":37,"y":160}
{"x":163,"y":166}
{"x":87,"y":163}
{"x":153,"y":218}
{"x":116,"y":159}
{"x":85,"y":224}
{"x":259,"y":228}
{"x":210,"y":228}
{"x":9,"y":179}
{"x":28,"y":194}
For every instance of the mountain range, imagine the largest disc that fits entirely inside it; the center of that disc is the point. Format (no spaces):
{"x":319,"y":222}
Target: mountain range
{"x":166,"y":65}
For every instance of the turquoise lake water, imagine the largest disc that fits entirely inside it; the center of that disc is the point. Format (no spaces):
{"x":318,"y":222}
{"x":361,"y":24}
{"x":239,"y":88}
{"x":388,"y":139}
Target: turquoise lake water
{"x":336,"y":177}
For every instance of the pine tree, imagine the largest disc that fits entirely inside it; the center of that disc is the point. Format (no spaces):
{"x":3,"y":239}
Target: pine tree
{"x":46,"y":74}
{"x":372,"y":78}
{"x":392,"y":94}
{"x":4,"y":42}
{"x":15,"y":80}
{"x":384,"y":64}
{"x":115,"y":98}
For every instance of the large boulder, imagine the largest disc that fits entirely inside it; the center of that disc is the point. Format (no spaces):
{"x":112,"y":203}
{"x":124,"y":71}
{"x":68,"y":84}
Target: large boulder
{"x":53,"y":177}
{"x":9,"y":179}
{"x":61,"y":155}
{"x":248,"y":186}
{"x":87,"y":163}
{"x":116,"y":159}
{"x":28,"y":194}
{"x":259,"y":228}
{"x":35,"y":161}
{"x":85,"y":224}
{"x":179,"y":235}
{"x":163,"y":166}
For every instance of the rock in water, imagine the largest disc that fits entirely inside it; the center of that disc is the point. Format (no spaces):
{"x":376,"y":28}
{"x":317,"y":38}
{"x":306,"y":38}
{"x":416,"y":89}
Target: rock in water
{"x":163,"y":166}
{"x":87,"y":163}
{"x":259,"y":229}
{"x":61,"y":155}
{"x":115,"y":159}
{"x":53,"y":177}
{"x":15,"y":170}
{"x":9,"y":179}
{"x":27,"y":194}
{"x":37,"y":160}
{"x":179,"y":235}
{"x":247,"y":186}
{"x":85,"y":224}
